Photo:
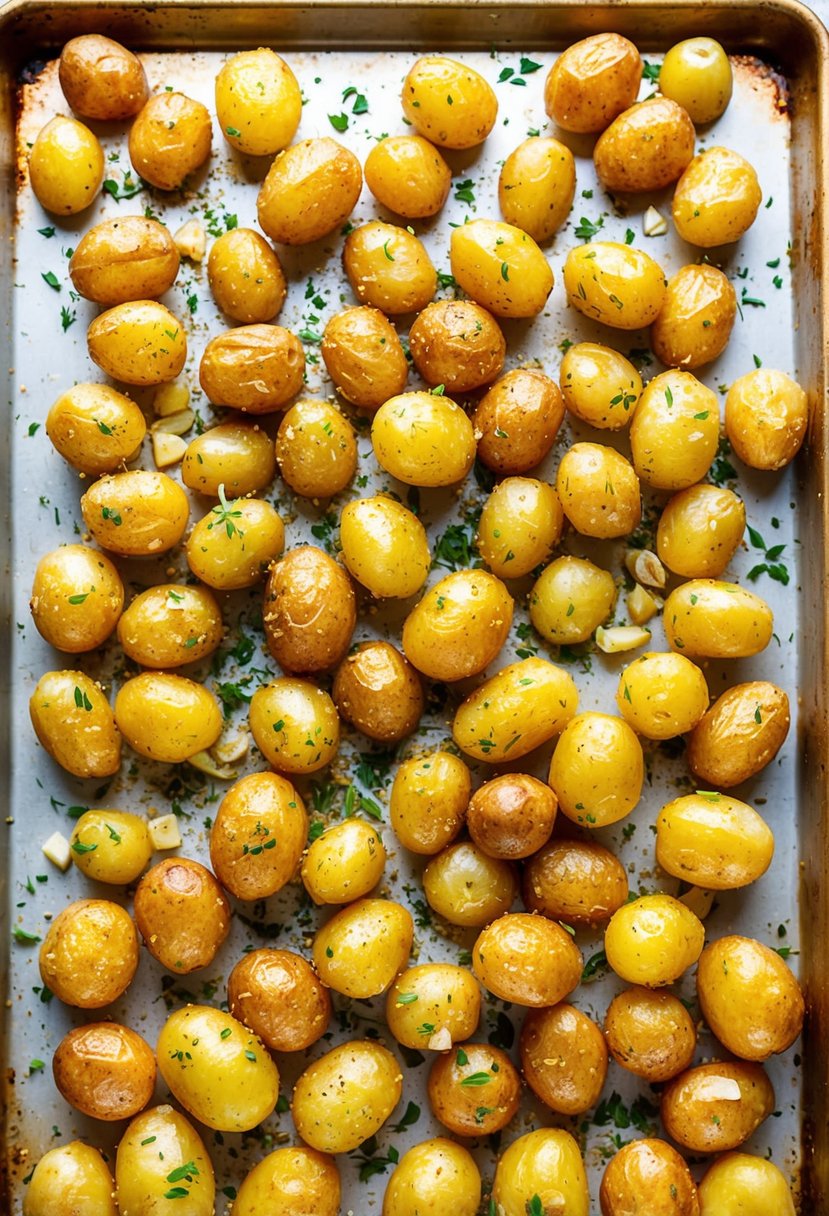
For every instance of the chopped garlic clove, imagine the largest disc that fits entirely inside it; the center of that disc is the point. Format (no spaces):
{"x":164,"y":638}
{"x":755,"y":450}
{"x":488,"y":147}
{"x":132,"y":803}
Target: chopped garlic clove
{"x":646,"y":568}
{"x":171,"y":399}
{"x":653,"y":223}
{"x":191,"y":240}
{"x":164,"y":832}
{"x":56,"y":849}
{"x":231,"y":749}
{"x":205,"y":763}
{"x":174,"y":424}
{"x":642,"y":605}
{"x":441,"y":1040}
{"x":699,"y":901}
{"x":621,"y":637}
{"x":718,"y":1089}
{"x":167,"y":450}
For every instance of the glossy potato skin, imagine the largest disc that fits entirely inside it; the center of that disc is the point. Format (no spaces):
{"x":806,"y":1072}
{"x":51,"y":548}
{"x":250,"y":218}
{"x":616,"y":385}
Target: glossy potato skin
{"x":278,"y":995}
{"x":570,"y":598}
{"x":511,"y":816}
{"x":66,"y":166}
{"x":378,"y":690}
{"x":713,"y":841}
{"x":717,"y":198}
{"x":388,"y":268}
{"x":364,"y":358}
{"x":285,"y":716}
{"x":547,"y":1163}
{"x":292,"y":1181}
{"x":346,"y":1096}
{"x":501,"y":267}
{"x":448,"y":103}
{"x":77,"y":598}
{"x":171,"y":625}
{"x":652,"y":940}
{"x":90,"y":955}
{"x":729,"y":744}
{"x":384,"y":547}
{"x":155,"y":1144}
{"x":310,"y":611}
{"x":139,"y":513}
{"x":696,"y":318}
{"x":344,"y":863}
{"x":471,"y":1109}
{"x":536,"y":186}
{"x":117,"y":846}
{"x":599,"y":385}
{"x":160,"y":157}
{"x":698,"y":1119}
{"x":662,"y":695}
{"x":139,"y":342}
{"x":467,"y":887}
{"x":423,"y":439}
{"x":749,"y":997}
{"x":592,"y":81}
{"x":738,"y":1180}
{"x":104,"y":1070}
{"x":645,"y":148}
{"x":167,"y":717}
{"x":74,"y":426}
{"x":563,"y":1058}
{"x":316,"y":449}
{"x":597,"y":770}
{"x":599,"y":491}
{"x":428,"y":801}
{"x":70,"y":1180}
{"x":246,"y":277}
{"x":133,"y":258}
{"x":520,"y":525}
{"x":182,"y":913}
{"x":83,"y":741}
{"x":696,"y":72}
{"x":459,"y":626}
{"x":511,"y":716}
{"x":361,"y":949}
{"x":426,"y":1002}
{"x":258,"y":102}
{"x":527,"y":959}
{"x":651,"y":1034}
{"x":101,"y":79}
{"x":458,"y":344}
{"x":766,"y":417}
{"x":518,"y":420}
{"x":235,"y":455}
{"x":253,"y":368}
{"x":258,"y":836}
{"x":675,"y":431}
{"x":311,"y":189}
{"x":700,"y":530}
{"x":431,"y":1174}
{"x":234,"y":545}
{"x":578,"y":882}
{"x":652,"y":1173}
{"x":619,"y":285}
{"x":706,"y":618}
{"x":407,"y":174}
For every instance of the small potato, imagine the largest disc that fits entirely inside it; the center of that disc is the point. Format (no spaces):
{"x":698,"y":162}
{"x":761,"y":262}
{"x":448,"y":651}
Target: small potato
{"x":408,"y":175}
{"x":645,"y":148}
{"x":170,"y":139}
{"x":653,"y":940}
{"x":364,"y":358}
{"x":708,"y":619}
{"x":697,"y":74}
{"x":344,"y":863}
{"x":95,"y":428}
{"x":619,"y":285}
{"x":520,"y":525}
{"x":239,"y":457}
{"x":295,"y":725}
{"x":72,"y":1178}
{"x":253,"y":368}
{"x":77,"y":598}
{"x":361,"y":949}
{"x":591,"y":82}
{"x":467,"y":887}
{"x":716,"y":1107}
{"x":75,"y":724}
{"x":111,"y":846}
{"x":739,"y":1183}
{"x":246,"y":276}
{"x":578,"y":882}
{"x":423,"y":439}
{"x":459,"y":627}
{"x":536,"y":187}
{"x":515,"y":711}
{"x":432,"y":1175}
{"x":167,"y":717}
{"x":428,"y":801}
{"x":315,"y":449}
{"x":700,"y":530}
{"x":101,"y":79}
{"x":696,"y":319}
{"x":235,"y":544}
{"x":227,"y":1081}
{"x":648,"y":1175}
{"x":717,"y":198}
{"x":662,"y":695}
{"x":599,"y":385}
{"x":433,"y":1006}
{"x":474,"y":1090}
{"x":105,"y":1071}
{"x":385,"y":547}
{"x":277,"y":994}
{"x":258,"y":102}
{"x":448,"y":102}
{"x":309,"y":612}
{"x":157,"y":1144}
{"x":377,"y":690}
{"x":527,"y":959}
{"x":90,"y":954}
{"x":766,"y":416}
{"x":136,"y":514}
{"x":563,"y":1058}
{"x":713,"y":841}
{"x":651,"y":1034}
{"x":570,"y":598}
{"x":346,"y":1096}
{"x":597,"y":770}
{"x":311,"y":189}
{"x":139,"y":342}
{"x":458,"y":344}
{"x":501,"y":267}
{"x":171,"y":625}
{"x":183,"y":914}
{"x":388,"y":268}
{"x":675,"y":431}
{"x":739,"y":735}
{"x":258,"y":836}
{"x":511,"y":816}
{"x":288,"y":1180}
{"x":518,"y":420}
{"x":546,"y":1163}
{"x":749,"y":997}
{"x":66,"y":166}
{"x":133,"y":258}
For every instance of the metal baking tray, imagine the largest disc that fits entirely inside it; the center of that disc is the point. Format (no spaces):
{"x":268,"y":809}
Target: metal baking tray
{"x":779,"y":120}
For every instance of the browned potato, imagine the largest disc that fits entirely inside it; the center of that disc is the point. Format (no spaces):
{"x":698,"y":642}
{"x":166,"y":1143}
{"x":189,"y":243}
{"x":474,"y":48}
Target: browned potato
{"x":592,"y":81}
{"x":696,"y":318}
{"x":408,"y":175}
{"x":246,"y":277}
{"x":474,"y":1089}
{"x":511,"y":816}
{"x":364,"y":358}
{"x":563,"y":1058}
{"x":278,"y":995}
{"x":388,"y":268}
{"x":527,"y":959}
{"x":651,"y":1034}
{"x":170,"y":139}
{"x":428,"y":801}
{"x":255,"y":368}
{"x":460,"y":625}
{"x":310,"y":610}
{"x":258,"y":836}
{"x":467,"y":887}
{"x":182,"y":913}
{"x":311,"y":189}
{"x":105,"y":1071}
{"x":716,"y":1107}
{"x":377,"y":690}
{"x":101,"y":79}
{"x":518,"y":421}
{"x":645,"y":148}
{"x":95,"y":428}
{"x":138,"y":342}
{"x":578,"y":882}
{"x":90,"y":954}
{"x":130,"y":258}
{"x":749,"y":997}
{"x":739,"y":735}
{"x":648,"y":1176}
{"x":458,"y":344}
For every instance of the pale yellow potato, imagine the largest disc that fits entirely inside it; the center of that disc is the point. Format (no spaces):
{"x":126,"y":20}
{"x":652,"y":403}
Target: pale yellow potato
{"x":89,"y":956}
{"x":699,"y":531}
{"x":388,"y":268}
{"x":167,"y":717}
{"x":645,"y":148}
{"x":577,"y":882}
{"x":183,"y":914}
{"x":316,"y":449}
{"x":766,"y":416}
{"x":279,"y":996}
{"x":675,"y":431}
{"x":457,"y":344}
{"x":527,"y":959}
{"x":705,"y":618}
{"x":428,"y":801}
{"x":73,"y":720}
{"x":467,"y":887}
{"x":713,"y":841}
{"x":716,"y":1107}
{"x":459,"y":627}
{"x":344,"y":863}
{"x":309,"y":611}
{"x":384,"y":546}
{"x":501,"y":267}
{"x":563,"y":1058}
{"x":433,"y":1006}
{"x":696,"y":318}
{"x":749,"y":997}
{"x":311,"y":189}
{"x":295,"y":725}
{"x":71,"y":1180}
{"x":289,"y":1182}
{"x":258,"y":102}
{"x":591,"y":82}
{"x":517,"y":421}
{"x":448,"y":102}
{"x":662,"y":695}
{"x":170,"y":139}
{"x":111,"y":846}
{"x":104,"y":1070}
{"x":738,"y":1182}
{"x":379,"y":692}
{"x":139,"y":342}
{"x":619,"y":285}
{"x":95,"y":428}
{"x":648,"y":1173}
{"x":520,"y":525}
{"x":536,"y":186}
{"x":570,"y":599}
{"x":547,"y":1163}
{"x":423,"y":439}
{"x":258,"y":836}
{"x":651,"y":1034}
{"x":364,"y":358}
{"x":236,"y":543}
{"x":133,"y":258}
{"x":717,"y":198}
{"x":246,"y":276}
{"x":479,"y":1107}
{"x":101,"y":79}
{"x":511,"y":816}
{"x":346,"y":1096}
{"x":432,"y":1176}
{"x":697,"y":74}
{"x":139,"y":513}
{"x":171,"y":625}
{"x":739,"y":735}
{"x":253,"y":368}
{"x":158,"y":1143}
{"x":653,"y":940}
{"x":361,"y":949}
{"x":597,"y":770}
{"x":77,"y":598}
{"x":227,"y":1081}
{"x":599,"y":385}
{"x":408,"y":175}
{"x":66,"y":166}
{"x":515,"y":711}
{"x":234,"y":455}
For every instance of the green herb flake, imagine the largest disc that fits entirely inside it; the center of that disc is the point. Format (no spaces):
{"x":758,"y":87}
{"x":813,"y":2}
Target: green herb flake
{"x":52,"y":279}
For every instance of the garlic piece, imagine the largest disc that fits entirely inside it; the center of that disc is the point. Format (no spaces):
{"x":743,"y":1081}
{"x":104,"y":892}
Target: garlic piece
{"x":167,"y":449}
{"x":171,"y":399}
{"x":191,"y":240}
{"x":174,"y":424}
{"x":441,"y":1040}
{"x":699,"y":901}
{"x":205,"y":763}
{"x":56,"y":849}
{"x":654,"y":223}
{"x":642,"y":605}
{"x":621,"y":637}
{"x":646,"y":568}
{"x":231,"y":749}
{"x":164,"y":832}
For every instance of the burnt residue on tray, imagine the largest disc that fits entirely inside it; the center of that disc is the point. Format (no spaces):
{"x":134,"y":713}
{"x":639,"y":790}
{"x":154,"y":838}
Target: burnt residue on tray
{"x":764,"y":77}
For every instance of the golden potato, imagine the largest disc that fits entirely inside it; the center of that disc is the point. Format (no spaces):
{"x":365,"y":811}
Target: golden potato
{"x":428,"y":801}
{"x":708,"y":619}
{"x":619,"y":285}
{"x":309,"y":612}
{"x":696,"y":318}
{"x":662,"y":695}
{"x":90,"y":954}
{"x":578,"y":882}
{"x":467,"y":887}
{"x":749,"y":997}
{"x":346,"y":1096}
{"x":697,"y":74}
{"x":171,"y":625}
{"x":738,"y":1182}
{"x":234,"y":455}
{"x":520,"y":525}
{"x":133,"y":258}
{"x":458,"y":344}
{"x":570,"y":598}
{"x":311,"y":189}
{"x":536,"y":186}
{"x":433,"y":1006}
{"x":597,"y":770}
{"x":433,"y":1174}
{"x":104,"y":1070}
{"x":448,"y":102}
{"x":563,"y":1058}
{"x":459,"y":627}
{"x":700,"y":530}
{"x":66,"y":166}
{"x":599,"y":385}
{"x":246,"y":276}
{"x":111,"y":846}
{"x":101,"y":79}
{"x":474,"y":1089}
{"x":253,"y":368}
{"x":170,"y":139}
{"x":385,"y":547}
{"x":361,"y":949}
{"x":527,"y":959}
{"x":295,"y":725}
{"x":288,"y":1180}
{"x":377,"y":690}
{"x":599,"y":491}
{"x":183,"y":914}
{"x":713,"y":841}
{"x":423,"y":439}
{"x":139,"y":513}
{"x":258,"y":836}
{"x":73,"y":720}
{"x":258,"y":102}
{"x":515,"y":711}
{"x":591,"y":82}
{"x":501,"y":267}
{"x":344,"y":863}
{"x":72,"y":1178}
{"x":766,"y":416}
{"x":651,"y":1034}
{"x":278,"y":995}
{"x":408,"y":175}
{"x":675,"y":431}
{"x":77,"y":598}
{"x":546,"y":1163}
{"x":235,"y":544}
{"x":645,"y":148}
{"x":139,"y":342}
{"x":388,"y":268}
{"x":653,"y":940}
{"x":739,"y":735}
{"x":716,"y":1107}
{"x":95,"y":428}
{"x":316,"y":449}
{"x":167,"y":717}
{"x":648,"y":1173}
{"x":159,"y":1150}
{"x":364,"y":358}
{"x":517,"y":421}
{"x":511,"y":816}
{"x":717,"y":198}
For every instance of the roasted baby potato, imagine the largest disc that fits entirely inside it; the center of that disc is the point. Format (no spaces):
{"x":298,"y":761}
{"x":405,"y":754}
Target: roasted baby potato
{"x":599,"y":385}
{"x":434,"y":1172}
{"x":73,"y":720}
{"x":577,"y":882}
{"x":697,"y":74}
{"x":66,"y":166}
{"x":344,"y":863}
{"x":517,"y":421}
{"x":183,"y":914}
{"x":700,"y":530}
{"x":511,"y":816}
{"x":309,"y":612}
{"x":716,"y":1107}
{"x":407,"y":174}
{"x":378,"y":690}
{"x":90,"y":954}
{"x":295,"y":725}
{"x":70,"y":1179}
{"x":739,"y":735}
{"x":766,"y":416}
{"x":388,"y":268}
{"x":546,"y":1163}
{"x":246,"y":276}
{"x":315,"y":449}
{"x":467,"y":887}
{"x":563,"y":1058}
{"x":597,"y":769}
{"x":738,"y":1180}
{"x":645,"y":148}
{"x":653,"y":940}
{"x":651,"y":1034}
{"x":278,"y":995}
{"x":157,"y":1144}
{"x":384,"y":547}
{"x":459,"y":627}
{"x":520,"y":525}
{"x":139,"y":342}
{"x":675,"y":431}
{"x":170,"y":139}
{"x":536,"y":186}
{"x":311,"y":189}
{"x":133,"y":258}
{"x":515,"y":711}
{"x":235,"y":544}
{"x":662,"y":695}
{"x":167,"y":717}
{"x":527,"y":959}
{"x":717,"y":198}
{"x":234,"y":455}
{"x":591,"y":82}
{"x":433,"y":1006}
{"x":599,"y":491}
{"x":569,"y":599}
{"x":104,"y":1070}
{"x":171,"y":625}
{"x":253,"y":368}
{"x":458,"y":344}
{"x":749,"y":997}
{"x":705,"y":618}
{"x":77,"y":598}
{"x":448,"y":103}
{"x":346,"y":1096}
{"x":363,"y":947}
{"x":648,"y":1173}
{"x":95,"y":428}
{"x":258,"y":836}
{"x":713,"y":841}
{"x":364,"y":358}
{"x":101,"y":79}
{"x":696,"y":318}
{"x":258,"y":102}
{"x":289,"y":1179}
{"x":423,"y":439}
{"x":428,"y":801}
{"x":139,"y":513}
{"x":619,"y":285}
{"x":482,"y":1105}
{"x":501,"y":267}
{"x":111,"y":846}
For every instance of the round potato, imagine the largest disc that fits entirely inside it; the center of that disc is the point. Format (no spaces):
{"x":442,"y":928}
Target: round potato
{"x":518,"y":420}
{"x":448,"y":102}
{"x":520,"y":525}
{"x":361,"y":949}
{"x":385,"y":547}
{"x":278,"y":995}
{"x":699,"y":531}
{"x":344,"y":863}
{"x":766,"y":416}
{"x":739,"y":735}
{"x":527,"y":959}
{"x":458,"y":344}
{"x":377,"y":690}
{"x":459,"y":627}
{"x":597,"y":770}
{"x":183,"y":914}
{"x":388,"y":268}
{"x":717,"y":198}
{"x":111,"y":846}
{"x":645,"y":148}
{"x":423,"y":439}
{"x":653,"y":940}
{"x":167,"y":717}
{"x":563,"y":1058}
{"x":139,"y":342}
{"x":104,"y":1070}
{"x":599,"y":385}
{"x":428,"y":801}
{"x":233,"y":455}
{"x":599,"y":491}
{"x":716,"y":1107}
{"x":591,"y":82}
{"x":619,"y":285}
{"x":287,"y":1181}
{"x":133,"y":258}
{"x":139,"y":513}
{"x":430,"y":1175}
{"x":501,"y":267}
{"x":295,"y":725}
{"x":90,"y":954}
{"x":511,"y":816}
{"x":364,"y":358}
{"x":651,"y":1034}
{"x":66,"y":166}
{"x":157,"y":1144}
{"x":577,"y":882}
{"x":346,"y":1096}
{"x":536,"y":186}
{"x":73,"y":720}
{"x":315,"y":449}
{"x":101,"y":79}
{"x":713,"y":841}
{"x":738,"y":1182}
{"x":662,"y":695}
{"x":171,"y":625}
{"x":467,"y":887}
{"x":246,"y":276}
{"x":696,"y":319}
{"x":235,"y":544}
{"x":170,"y":139}
{"x":650,"y":1175}
{"x":569,"y":599}
{"x":258,"y":836}
{"x":474,"y":1090}
{"x":253,"y":368}
{"x":407,"y":174}
{"x":749,"y":997}
{"x":697,"y":74}
{"x":258,"y":102}
{"x":310,"y":611}
{"x":72,"y":1178}
{"x":708,"y":619}
{"x":311,"y":189}
{"x":433,"y":1006}
{"x":77,"y":598}
{"x":675,"y":431}
{"x":515,"y":711}
{"x":95,"y":428}
{"x":544,"y":1163}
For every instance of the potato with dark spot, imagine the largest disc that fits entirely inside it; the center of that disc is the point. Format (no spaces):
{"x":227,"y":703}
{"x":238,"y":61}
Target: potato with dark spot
{"x":458,"y":344}
{"x":739,"y":735}
{"x":578,"y":882}
{"x":651,"y":1034}
{"x":309,"y":612}
{"x":516,"y":423}
{"x":474,"y":1089}
{"x":377,"y":690}
{"x":183,"y":914}
{"x":564,"y":1058}
{"x":512,"y":816}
